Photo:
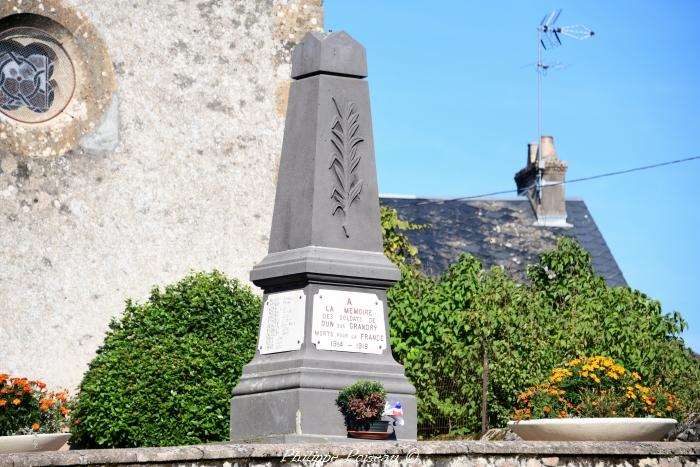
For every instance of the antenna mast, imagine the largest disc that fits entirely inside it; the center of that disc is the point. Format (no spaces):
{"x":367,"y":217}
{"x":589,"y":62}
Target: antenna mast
{"x":548,"y":37}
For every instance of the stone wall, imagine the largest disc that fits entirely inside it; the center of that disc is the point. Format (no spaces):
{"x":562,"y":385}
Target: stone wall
{"x":381,"y":453}
{"x":175,"y":172}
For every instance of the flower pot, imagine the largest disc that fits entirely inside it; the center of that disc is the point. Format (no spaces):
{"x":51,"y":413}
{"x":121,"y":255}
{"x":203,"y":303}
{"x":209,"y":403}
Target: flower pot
{"x":593,"y":429}
{"x":369,"y":430}
{"x":35,"y":442}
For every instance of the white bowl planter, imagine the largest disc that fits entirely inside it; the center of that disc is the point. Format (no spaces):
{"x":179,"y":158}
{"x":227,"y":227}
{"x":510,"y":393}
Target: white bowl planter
{"x":30,"y":443}
{"x":593,"y":429}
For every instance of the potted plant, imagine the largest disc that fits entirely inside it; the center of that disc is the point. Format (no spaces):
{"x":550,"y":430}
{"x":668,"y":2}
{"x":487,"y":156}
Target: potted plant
{"x":362,"y":405}
{"x":31,"y":418}
{"x":592,"y":399}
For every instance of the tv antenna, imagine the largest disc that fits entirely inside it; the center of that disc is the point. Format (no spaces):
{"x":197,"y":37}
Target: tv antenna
{"x":549,"y":37}
{"x":545,"y":67}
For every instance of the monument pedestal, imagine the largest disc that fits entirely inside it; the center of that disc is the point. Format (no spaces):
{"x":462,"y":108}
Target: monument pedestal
{"x":290,"y":396}
{"x":324,"y":323}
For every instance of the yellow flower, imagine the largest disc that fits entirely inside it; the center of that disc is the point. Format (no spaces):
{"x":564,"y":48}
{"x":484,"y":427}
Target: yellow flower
{"x":16,"y":401}
{"x":559,"y":374}
{"x":636,"y":376}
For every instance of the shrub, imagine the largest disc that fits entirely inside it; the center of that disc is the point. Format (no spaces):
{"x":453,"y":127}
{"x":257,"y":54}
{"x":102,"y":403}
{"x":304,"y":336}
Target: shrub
{"x":166,"y":369}
{"x":27,"y":407}
{"x":362,"y":401}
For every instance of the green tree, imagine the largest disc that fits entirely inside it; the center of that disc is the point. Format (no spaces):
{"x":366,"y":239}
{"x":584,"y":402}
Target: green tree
{"x":618,"y":322}
{"x":473,"y":332}
{"x":396,"y":245}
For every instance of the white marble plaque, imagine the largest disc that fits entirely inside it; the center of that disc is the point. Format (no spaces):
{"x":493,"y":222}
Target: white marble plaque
{"x":348,"y":322}
{"x":282,"y":326}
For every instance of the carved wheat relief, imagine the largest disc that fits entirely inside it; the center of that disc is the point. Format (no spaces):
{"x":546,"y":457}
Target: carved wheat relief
{"x":345,"y":159}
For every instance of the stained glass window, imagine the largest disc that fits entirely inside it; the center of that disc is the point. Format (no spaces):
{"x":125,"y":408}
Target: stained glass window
{"x":36,"y":75}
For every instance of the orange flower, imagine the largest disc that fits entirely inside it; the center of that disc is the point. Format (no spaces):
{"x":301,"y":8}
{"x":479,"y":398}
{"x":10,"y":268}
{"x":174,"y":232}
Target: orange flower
{"x":20,"y":382}
{"x":64,"y":411}
{"x":546,"y":409}
{"x":3,"y":402}
{"x":36,"y":426}
{"x":3,"y":377}
{"x":40,"y":384}
{"x":27,"y":389}
{"x":45,"y":404}
{"x":16,"y":401}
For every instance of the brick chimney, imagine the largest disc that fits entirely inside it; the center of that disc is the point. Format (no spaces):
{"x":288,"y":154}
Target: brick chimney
{"x":549,"y":204}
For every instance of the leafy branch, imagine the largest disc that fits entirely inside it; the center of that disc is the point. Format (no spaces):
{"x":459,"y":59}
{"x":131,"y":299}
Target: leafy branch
{"x":345,"y":159}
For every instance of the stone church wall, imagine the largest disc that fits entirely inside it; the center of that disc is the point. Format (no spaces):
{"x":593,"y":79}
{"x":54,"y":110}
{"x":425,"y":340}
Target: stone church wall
{"x":163,"y":160}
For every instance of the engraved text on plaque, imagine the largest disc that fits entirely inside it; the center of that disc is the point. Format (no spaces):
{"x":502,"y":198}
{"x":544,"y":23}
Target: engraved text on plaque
{"x":282,"y":327}
{"x":348,"y":322}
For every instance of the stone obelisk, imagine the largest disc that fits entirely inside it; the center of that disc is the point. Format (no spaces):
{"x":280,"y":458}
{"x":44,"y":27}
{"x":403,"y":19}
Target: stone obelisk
{"x":324,"y":323}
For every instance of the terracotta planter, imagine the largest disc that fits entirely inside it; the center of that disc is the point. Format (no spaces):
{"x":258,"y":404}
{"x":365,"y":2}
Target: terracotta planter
{"x":32,"y":443}
{"x":593,"y":429}
{"x":369,"y":430}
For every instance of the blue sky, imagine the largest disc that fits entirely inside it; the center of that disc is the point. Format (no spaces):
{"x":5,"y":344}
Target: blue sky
{"x":454,"y":106}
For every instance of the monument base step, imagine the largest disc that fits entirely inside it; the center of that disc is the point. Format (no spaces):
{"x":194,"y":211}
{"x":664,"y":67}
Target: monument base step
{"x":308,"y":414}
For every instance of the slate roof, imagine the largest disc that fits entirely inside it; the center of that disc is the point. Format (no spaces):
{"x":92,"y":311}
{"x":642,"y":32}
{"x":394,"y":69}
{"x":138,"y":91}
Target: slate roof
{"x":498,"y":231}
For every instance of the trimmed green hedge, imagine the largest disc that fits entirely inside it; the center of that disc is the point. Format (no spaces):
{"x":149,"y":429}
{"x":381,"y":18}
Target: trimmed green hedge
{"x":165,"y":372}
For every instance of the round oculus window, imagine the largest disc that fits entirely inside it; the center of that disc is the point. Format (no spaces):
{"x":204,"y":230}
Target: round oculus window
{"x":37,"y":78}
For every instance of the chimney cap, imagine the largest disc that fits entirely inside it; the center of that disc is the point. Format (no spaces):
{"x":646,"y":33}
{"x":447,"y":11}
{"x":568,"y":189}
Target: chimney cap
{"x":548,"y":149}
{"x":531,"y":153}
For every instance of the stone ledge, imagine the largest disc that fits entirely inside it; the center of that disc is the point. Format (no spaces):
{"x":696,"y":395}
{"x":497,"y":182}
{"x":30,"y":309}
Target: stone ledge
{"x":484,"y":453}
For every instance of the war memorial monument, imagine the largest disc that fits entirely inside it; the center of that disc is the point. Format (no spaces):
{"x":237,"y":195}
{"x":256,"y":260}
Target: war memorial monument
{"x":324,"y":323}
